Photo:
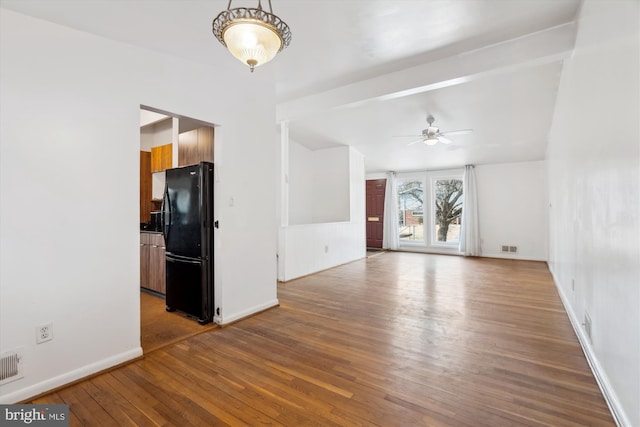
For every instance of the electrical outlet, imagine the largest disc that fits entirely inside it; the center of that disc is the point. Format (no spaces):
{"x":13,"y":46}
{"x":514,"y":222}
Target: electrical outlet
{"x":44,"y":333}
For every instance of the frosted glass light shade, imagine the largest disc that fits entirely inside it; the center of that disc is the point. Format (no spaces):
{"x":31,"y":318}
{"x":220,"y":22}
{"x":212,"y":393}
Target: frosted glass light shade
{"x":252,"y":42}
{"x":252,"y":35}
{"x":431,"y":141}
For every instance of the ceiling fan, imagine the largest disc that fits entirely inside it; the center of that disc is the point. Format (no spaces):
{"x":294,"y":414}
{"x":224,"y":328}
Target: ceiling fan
{"x":432,"y":135}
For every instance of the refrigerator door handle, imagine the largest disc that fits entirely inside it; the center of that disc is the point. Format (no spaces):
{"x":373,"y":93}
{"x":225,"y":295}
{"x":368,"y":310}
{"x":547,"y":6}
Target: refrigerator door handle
{"x":166,"y":215}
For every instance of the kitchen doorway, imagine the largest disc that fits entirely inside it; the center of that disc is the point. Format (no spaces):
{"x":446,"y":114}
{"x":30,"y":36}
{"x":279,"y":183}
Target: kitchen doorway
{"x":159,"y":329}
{"x":167,"y":141}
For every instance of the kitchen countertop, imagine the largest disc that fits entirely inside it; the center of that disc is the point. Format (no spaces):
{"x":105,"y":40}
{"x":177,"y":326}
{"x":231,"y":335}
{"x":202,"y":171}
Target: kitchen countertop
{"x":148,"y":228}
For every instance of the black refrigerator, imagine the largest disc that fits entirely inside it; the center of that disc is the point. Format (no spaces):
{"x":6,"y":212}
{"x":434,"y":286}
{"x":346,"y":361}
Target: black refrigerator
{"x":187,"y":225}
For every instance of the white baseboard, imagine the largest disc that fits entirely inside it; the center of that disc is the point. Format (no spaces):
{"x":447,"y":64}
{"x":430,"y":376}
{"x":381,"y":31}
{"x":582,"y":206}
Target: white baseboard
{"x":509,"y":256}
{"x":69,"y":377}
{"x":610,"y":396}
{"x":226,"y":319}
{"x":322,"y":268}
{"x":436,"y":251}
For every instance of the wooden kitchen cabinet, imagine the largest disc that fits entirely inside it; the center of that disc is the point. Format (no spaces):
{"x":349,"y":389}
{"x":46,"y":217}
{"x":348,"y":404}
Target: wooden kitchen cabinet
{"x":161,"y":158}
{"x":145,"y":186}
{"x":195,"y":146}
{"x":152,"y":262}
{"x":157,"y":278}
{"x":144,"y":259}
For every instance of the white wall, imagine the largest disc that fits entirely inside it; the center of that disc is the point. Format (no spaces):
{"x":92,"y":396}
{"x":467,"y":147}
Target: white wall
{"x":357,"y":189}
{"x":594,"y":192}
{"x":159,"y":133}
{"x":512,"y":201}
{"x":147,"y":117}
{"x":317,"y":184}
{"x":308,"y":248}
{"x":375,"y":175}
{"x":331,"y":173}
{"x":69,"y":153}
{"x":146,"y":139}
{"x":158,"y":182}
{"x":315,"y":247}
{"x":300,"y":175}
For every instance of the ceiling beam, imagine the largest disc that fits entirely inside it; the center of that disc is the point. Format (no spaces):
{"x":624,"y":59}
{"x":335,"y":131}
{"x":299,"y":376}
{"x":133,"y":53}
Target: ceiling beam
{"x":542,"y":47}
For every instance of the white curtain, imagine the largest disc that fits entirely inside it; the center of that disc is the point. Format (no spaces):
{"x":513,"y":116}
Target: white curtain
{"x":390,"y":233}
{"x":469,"y":234}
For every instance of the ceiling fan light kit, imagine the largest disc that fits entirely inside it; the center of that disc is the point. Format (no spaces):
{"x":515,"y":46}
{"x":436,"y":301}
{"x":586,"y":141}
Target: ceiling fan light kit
{"x":252,"y":35}
{"x":432,"y":134}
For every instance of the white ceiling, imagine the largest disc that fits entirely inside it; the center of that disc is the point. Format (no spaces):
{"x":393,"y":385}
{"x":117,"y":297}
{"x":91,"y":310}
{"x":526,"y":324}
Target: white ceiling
{"x":359,"y":72}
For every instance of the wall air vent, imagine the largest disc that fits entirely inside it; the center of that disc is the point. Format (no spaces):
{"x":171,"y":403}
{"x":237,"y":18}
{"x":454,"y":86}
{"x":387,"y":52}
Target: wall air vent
{"x":10,"y":367}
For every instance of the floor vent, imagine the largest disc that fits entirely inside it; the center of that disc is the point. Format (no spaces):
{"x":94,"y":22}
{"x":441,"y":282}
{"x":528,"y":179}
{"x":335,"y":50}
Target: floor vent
{"x":10,"y":367}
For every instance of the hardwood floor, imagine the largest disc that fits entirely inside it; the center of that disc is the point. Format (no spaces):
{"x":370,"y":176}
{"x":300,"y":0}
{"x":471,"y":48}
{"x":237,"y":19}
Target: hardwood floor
{"x":398,"y":339}
{"x":159,"y":328}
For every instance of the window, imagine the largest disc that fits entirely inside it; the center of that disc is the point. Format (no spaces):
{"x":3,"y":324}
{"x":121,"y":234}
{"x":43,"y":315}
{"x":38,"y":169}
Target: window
{"x":447,"y":209}
{"x":410,"y":207}
{"x":430,"y":209}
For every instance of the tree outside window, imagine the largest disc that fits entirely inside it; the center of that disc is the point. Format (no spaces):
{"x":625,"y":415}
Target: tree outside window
{"x":448,"y":209}
{"x":410,"y":208}
{"x":444,"y":215}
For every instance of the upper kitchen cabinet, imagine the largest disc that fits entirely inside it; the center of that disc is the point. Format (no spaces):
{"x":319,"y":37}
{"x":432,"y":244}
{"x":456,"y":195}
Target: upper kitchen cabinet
{"x":157,"y":137}
{"x":174,"y":141}
{"x":195,"y":146}
{"x":161,"y":157}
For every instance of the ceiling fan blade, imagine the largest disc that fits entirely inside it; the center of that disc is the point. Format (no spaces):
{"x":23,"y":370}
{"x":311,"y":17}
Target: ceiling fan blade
{"x":444,"y":140}
{"x":457,"y":132}
{"x":415,"y":142}
{"x":405,"y":136}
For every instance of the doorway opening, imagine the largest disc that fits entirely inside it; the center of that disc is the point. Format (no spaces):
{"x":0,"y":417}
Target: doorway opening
{"x":167,"y":141}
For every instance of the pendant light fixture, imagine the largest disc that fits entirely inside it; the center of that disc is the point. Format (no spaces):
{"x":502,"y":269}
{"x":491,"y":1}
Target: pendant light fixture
{"x":252,"y":35}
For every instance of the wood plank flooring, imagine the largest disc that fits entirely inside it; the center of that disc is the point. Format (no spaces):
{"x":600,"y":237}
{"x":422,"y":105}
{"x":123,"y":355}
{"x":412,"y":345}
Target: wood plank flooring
{"x":398,"y":339}
{"x":159,"y":328}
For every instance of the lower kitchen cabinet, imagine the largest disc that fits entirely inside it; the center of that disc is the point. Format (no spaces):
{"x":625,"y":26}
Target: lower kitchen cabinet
{"x":144,"y":259}
{"x":152,"y":262}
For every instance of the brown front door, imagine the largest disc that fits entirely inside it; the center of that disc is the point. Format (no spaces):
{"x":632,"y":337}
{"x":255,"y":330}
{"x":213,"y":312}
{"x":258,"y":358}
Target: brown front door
{"x":375,"y":212}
